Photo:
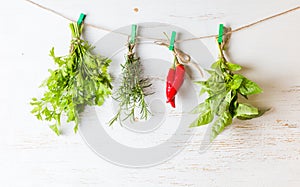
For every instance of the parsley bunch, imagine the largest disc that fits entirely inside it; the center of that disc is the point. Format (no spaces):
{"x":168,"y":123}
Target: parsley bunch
{"x":80,"y":79}
{"x":223,"y":88}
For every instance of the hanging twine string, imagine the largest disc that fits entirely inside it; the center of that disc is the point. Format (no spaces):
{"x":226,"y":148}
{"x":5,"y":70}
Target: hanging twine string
{"x":183,"y":57}
{"x":245,"y":26}
{"x":177,"y":41}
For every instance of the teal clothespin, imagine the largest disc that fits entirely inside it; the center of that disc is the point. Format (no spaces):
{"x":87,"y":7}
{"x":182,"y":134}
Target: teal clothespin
{"x":133,"y":33}
{"x":172,"y":41}
{"x":81,"y":18}
{"x":221,"y":33}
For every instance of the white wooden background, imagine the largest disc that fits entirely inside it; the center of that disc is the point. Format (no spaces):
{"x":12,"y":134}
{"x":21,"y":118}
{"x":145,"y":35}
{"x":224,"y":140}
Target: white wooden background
{"x":261,"y":152}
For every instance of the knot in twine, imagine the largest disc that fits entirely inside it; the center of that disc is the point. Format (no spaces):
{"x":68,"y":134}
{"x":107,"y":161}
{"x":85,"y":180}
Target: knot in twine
{"x":76,"y":40}
{"x":182,"y":57}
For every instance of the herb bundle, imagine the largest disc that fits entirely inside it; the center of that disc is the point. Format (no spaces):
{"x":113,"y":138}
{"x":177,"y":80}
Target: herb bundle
{"x":132,"y":91}
{"x":223,"y":88}
{"x":80,"y":79}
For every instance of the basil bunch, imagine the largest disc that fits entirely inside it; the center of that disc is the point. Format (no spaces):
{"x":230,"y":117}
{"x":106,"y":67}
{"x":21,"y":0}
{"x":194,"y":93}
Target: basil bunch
{"x":223,"y":88}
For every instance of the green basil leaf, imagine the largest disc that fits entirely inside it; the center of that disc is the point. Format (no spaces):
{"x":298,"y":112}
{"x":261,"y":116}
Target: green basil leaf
{"x":201,"y":108}
{"x":260,"y":113}
{"x":218,"y":126}
{"x":248,"y":88}
{"x":214,"y":84}
{"x":218,"y":99}
{"x":224,"y":104}
{"x":203,"y":119}
{"x":244,"y":109}
{"x":216,"y":64}
{"x":236,"y":81}
{"x":233,"y":67}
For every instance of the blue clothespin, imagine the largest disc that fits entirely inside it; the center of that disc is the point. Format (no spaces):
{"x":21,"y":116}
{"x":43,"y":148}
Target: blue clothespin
{"x":133,"y":33}
{"x":172,"y":41}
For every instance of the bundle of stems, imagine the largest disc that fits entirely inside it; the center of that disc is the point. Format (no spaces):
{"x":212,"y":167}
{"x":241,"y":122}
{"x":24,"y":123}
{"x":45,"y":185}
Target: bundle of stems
{"x":81,"y":79}
{"x":132,"y":91}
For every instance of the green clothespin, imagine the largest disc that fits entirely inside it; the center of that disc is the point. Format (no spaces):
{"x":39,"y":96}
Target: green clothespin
{"x":81,"y":18}
{"x":133,"y":33}
{"x":172,"y":41}
{"x":221,"y":33}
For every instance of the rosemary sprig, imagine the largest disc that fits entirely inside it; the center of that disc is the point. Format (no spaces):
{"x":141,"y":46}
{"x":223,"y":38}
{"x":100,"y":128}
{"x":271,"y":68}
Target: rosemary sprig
{"x":132,"y":91}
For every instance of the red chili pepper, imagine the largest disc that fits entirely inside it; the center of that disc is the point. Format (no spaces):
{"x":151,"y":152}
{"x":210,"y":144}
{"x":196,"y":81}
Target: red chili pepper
{"x":172,"y":102}
{"x":178,"y":80}
{"x":170,"y":80}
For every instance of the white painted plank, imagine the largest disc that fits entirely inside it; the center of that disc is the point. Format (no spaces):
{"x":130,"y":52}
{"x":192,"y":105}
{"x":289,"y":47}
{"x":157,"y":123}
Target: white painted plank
{"x":261,"y":152}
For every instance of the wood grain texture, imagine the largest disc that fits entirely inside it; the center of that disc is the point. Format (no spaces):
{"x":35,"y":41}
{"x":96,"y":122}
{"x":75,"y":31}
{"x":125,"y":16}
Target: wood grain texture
{"x":260,"y":152}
